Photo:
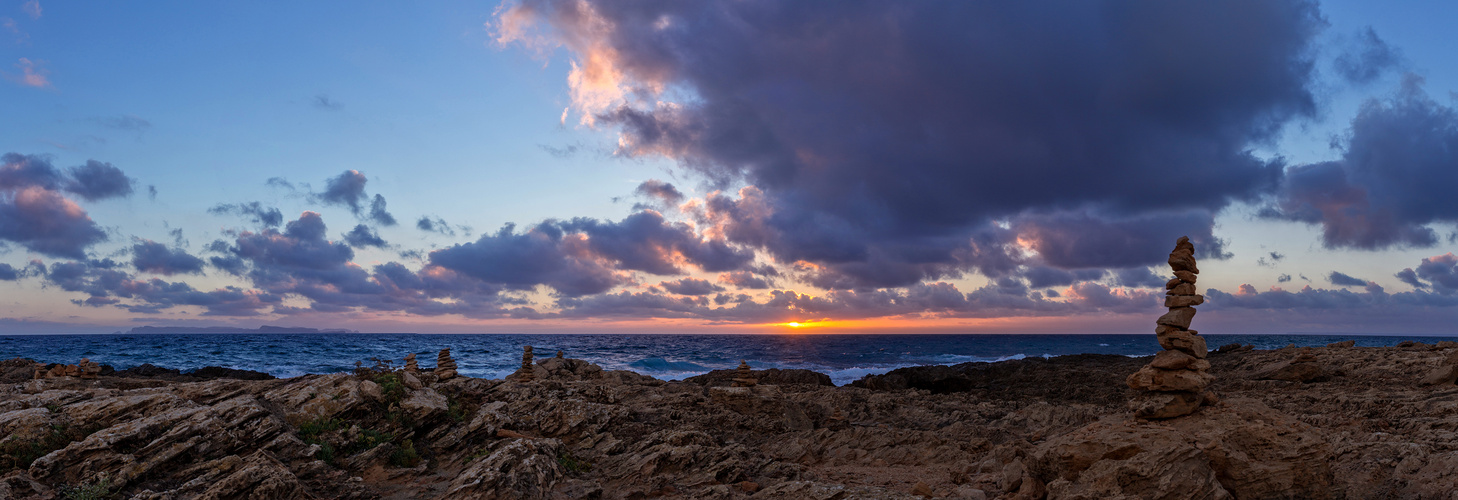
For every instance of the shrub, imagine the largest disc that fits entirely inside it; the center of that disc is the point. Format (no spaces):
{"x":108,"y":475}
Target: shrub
{"x":405,"y":456}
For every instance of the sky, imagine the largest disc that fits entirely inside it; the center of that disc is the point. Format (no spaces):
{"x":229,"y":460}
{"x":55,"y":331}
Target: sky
{"x":744,"y":167}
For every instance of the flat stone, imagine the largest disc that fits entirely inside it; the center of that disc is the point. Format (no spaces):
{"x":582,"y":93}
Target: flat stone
{"x":1185,"y":276}
{"x":1344,"y":343}
{"x":1174,"y":282}
{"x":1182,"y":289}
{"x":1172,"y":360}
{"x":1183,"y":300}
{"x":1183,"y":340}
{"x":1154,"y":379}
{"x":1162,"y":405}
{"x":1178,"y":316}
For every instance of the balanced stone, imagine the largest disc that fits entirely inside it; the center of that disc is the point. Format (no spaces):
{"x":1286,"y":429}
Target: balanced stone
{"x":1178,"y":316}
{"x":1182,"y":289}
{"x":410,"y":364}
{"x":1185,"y":276}
{"x":1183,"y":300}
{"x":1154,"y":379}
{"x":1172,"y":360}
{"x":1184,"y":340}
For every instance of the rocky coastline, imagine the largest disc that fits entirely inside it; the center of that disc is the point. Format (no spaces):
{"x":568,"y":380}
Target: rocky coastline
{"x":1331,"y":422}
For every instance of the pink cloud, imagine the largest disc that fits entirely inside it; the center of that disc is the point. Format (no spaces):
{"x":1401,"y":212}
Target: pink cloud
{"x":33,"y":8}
{"x":31,"y":74}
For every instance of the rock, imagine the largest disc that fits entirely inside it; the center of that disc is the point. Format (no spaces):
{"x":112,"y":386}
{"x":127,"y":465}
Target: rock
{"x":1229,"y":347}
{"x":371,"y":391}
{"x":1181,"y":260}
{"x":922,"y":490}
{"x":1178,"y":317}
{"x":1172,"y":283}
{"x":1187,"y":341}
{"x":771,"y":376}
{"x":425,"y":404}
{"x":511,"y":468}
{"x":1293,"y":372}
{"x":1445,"y":344}
{"x":1442,"y":375}
{"x":1185,"y":276}
{"x":410,"y":381}
{"x":1242,"y":449}
{"x":1181,"y":289}
{"x":969,"y":492}
{"x":1162,"y":405}
{"x":1183,"y":300}
{"x":1344,"y":343}
{"x":1172,"y":360}
{"x":1406,"y":343}
{"x":1154,"y":379}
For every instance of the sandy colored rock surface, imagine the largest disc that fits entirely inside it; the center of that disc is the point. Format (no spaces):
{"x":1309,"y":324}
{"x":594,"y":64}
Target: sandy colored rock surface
{"x":1032,"y":428}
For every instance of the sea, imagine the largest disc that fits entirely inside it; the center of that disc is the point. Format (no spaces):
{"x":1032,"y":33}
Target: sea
{"x":668,"y":357}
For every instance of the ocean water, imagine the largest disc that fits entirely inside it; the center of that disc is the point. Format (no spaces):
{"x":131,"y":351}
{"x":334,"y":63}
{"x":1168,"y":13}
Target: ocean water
{"x":844,"y":357}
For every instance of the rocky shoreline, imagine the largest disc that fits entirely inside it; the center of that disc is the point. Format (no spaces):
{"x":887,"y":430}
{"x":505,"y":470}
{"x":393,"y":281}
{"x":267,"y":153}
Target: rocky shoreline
{"x":1332,"y":422}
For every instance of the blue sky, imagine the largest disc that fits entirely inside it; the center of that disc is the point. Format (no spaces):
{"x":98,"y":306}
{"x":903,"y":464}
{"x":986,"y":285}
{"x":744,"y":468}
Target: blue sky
{"x":451,"y":118}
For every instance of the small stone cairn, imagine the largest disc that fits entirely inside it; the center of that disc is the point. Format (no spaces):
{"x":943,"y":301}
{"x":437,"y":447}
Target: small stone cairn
{"x":742,"y":376}
{"x":445,"y":367}
{"x":89,"y":369}
{"x":1175,"y":382}
{"x":525,"y":373}
{"x":410,"y":364}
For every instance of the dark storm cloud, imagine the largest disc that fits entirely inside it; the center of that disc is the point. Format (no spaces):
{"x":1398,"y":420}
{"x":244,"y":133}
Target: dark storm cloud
{"x":347,"y":189}
{"x":10,"y":273}
{"x":1077,"y":240}
{"x":659,"y":193}
{"x":691,"y":286}
{"x":587,"y":256}
{"x":745,"y":280}
{"x":434,"y":225}
{"x":1440,"y":273}
{"x":97,"y":181}
{"x":153,"y":257}
{"x":363,"y":236}
{"x":1340,"y":279}
{"x":1366,"y":58}
{"x":880,"y":131}
{"x":23,"y":171}
{"x":378,"y":213}
{"x":108,"y":286}
{"x":1138,"y":277}
{"x":1044,"y":276}
{"x":1397,"y":174}
{"x":34,"y":214}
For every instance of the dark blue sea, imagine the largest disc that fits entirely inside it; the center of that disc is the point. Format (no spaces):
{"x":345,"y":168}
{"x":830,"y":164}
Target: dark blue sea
{"x":843,"y":357}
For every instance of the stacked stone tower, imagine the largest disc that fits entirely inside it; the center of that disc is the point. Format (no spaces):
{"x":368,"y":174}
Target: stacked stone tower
{"x":743,"y":377}
{"x":410,"y":364}
{"x":1174,"y":383}
{"x":525,"y":373}
{"x":445,"y":367}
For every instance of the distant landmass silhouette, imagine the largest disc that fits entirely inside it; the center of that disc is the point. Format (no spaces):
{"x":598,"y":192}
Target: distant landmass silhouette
{"x":230,"y":329}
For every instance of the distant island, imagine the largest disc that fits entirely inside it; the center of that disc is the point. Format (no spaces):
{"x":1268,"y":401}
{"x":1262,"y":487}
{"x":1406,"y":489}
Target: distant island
{"x":230,"y":329}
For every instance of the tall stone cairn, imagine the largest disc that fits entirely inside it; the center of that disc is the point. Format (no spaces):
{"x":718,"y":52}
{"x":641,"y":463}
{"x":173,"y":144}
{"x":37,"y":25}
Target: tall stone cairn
{"x":445,"y":367}
{"x":1174,"y":383}
{"x":411,"y":365}
{"x":525,"y":374}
